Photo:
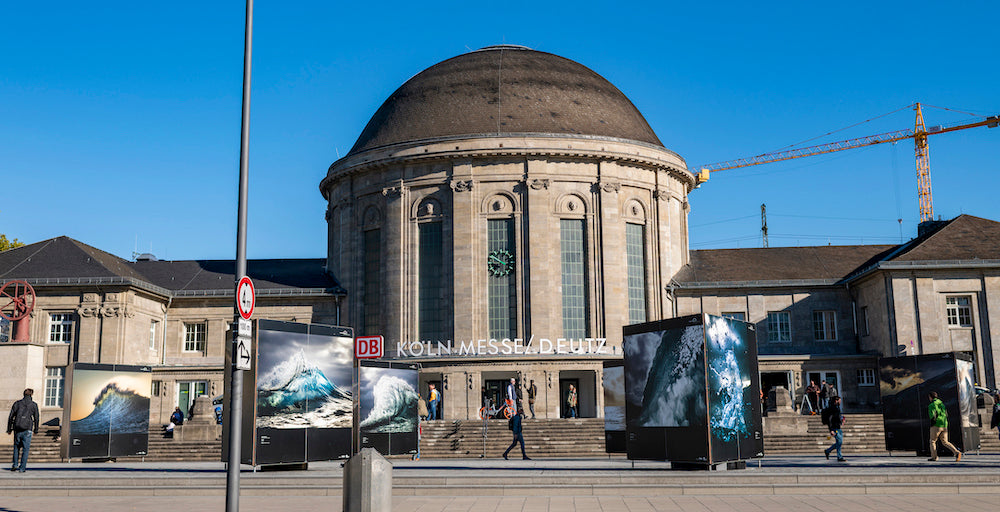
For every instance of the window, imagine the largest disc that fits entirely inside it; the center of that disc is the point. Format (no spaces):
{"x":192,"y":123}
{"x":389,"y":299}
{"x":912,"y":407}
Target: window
{"x":779,"y":326}
{"x":736,"y":316}
{"x":825,"y":325}
{"x":155,"y":387}
{"x":370,"y":293}
{"x":61,"y":328}
{"x":866,"y":377}
{"x":153,"y":325}
{"x":431,"y":288}
{"x":574,"y":278}
{"x":54,"y":378}
{"x":959,"y":311}
{"x":864,"y":321}
{"x":501,"y":289}
{"x":195,"y":336}
{"x":635,"y":255}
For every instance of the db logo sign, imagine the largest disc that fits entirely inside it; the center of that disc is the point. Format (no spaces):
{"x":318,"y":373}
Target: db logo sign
{"x":368,"y":347}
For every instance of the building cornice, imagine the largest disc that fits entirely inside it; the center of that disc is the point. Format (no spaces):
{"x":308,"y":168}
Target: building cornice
{"x":468,"y":147}
{"x":778,"y":283}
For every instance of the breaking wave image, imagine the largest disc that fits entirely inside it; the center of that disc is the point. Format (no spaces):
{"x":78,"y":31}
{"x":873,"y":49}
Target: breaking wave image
{"x":674,"y":391}
{"x":122,"y":410}
{"x":394,"y":407}
{"x":728,"y":410}
{"x":295,"y":393}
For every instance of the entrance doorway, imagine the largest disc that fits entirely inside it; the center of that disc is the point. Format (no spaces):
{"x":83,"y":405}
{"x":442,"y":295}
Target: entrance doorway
{"x":831,"y":377}
{"x":187,"y":392}
{"x":770,"y":380}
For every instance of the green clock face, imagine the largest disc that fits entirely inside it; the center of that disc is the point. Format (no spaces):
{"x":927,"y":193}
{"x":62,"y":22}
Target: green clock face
{"x":500,"y":263}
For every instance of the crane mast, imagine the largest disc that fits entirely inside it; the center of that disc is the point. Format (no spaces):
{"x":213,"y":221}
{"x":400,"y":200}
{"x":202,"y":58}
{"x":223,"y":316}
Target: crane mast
{"x":919,"y":135}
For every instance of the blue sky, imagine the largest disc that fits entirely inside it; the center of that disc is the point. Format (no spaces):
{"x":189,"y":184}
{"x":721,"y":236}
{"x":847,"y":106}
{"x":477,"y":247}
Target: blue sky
{"x":120,"y":121}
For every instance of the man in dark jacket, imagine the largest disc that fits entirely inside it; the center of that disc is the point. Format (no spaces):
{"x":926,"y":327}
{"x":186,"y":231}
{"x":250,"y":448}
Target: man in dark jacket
{"x":835,"y":420}
{"x":515,"y":426}
{"x":23,"y":421}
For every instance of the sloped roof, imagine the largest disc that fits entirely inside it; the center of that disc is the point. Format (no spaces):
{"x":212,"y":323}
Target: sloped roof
{"x":965,"y":237}
{"x":64,"y":258}
{"x":778,"y":263}
{"x":220,"y":274}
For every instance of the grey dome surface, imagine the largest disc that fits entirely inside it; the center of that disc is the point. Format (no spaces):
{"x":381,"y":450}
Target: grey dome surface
{"x":502,"y":90}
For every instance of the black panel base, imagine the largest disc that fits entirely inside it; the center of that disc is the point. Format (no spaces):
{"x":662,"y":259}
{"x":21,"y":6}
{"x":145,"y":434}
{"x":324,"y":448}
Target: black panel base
{"x":302,"y":466}
{"x":704,"y":466}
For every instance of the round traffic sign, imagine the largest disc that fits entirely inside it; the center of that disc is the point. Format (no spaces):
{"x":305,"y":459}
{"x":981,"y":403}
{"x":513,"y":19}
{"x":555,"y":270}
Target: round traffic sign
{"x":245,"y":298}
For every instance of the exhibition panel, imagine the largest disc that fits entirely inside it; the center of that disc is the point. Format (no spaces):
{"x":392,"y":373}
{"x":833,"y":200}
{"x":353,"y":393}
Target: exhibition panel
{"x":109,"y":410}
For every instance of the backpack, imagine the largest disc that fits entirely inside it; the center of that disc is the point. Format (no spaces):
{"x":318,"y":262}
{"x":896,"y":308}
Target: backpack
{"x":24,"y":419}
{"x":510,"y":423}
{"x":825,"y":417}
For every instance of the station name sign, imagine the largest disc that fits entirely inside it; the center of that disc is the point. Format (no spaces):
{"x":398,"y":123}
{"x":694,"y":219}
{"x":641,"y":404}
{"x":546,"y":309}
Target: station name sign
{"x":506,"y":346}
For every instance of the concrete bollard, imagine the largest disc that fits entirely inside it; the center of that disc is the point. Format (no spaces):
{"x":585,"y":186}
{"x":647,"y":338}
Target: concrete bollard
{"x":368,"y":482}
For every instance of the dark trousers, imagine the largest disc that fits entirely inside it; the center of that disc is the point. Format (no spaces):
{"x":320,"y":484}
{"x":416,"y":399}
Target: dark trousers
{"x":22,"y":443}
{"x":518,"y":438}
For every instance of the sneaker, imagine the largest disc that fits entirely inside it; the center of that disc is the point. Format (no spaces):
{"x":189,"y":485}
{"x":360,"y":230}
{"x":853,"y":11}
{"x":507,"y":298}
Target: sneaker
{"x":827,"y":454}
{"x":525,"y":458}
{"x":932,"y":459}
{"x":505,"y":457}
{"x":841,"y":460}
{"x":958,"y":457}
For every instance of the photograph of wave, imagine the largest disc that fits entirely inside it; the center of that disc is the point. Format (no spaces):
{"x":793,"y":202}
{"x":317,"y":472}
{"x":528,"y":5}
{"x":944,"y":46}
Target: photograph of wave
{"x":388,"y":400}
{"x":302,"y":384}
{"x":106,"y":401}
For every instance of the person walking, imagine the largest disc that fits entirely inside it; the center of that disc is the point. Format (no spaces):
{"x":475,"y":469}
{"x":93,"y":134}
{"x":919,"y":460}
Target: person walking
{"x":22,"y":422}
{"x":812,"y":392}
{"x":532,"y":393}
{"x":571,"y":401}
{"x":515,"y":427}
{"x":433,"y":400}
{"x":834,"y":420}
{"x":939,"y":427}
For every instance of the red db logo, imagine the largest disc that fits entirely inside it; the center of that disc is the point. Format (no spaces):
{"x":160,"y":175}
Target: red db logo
{"x":368,"y":347}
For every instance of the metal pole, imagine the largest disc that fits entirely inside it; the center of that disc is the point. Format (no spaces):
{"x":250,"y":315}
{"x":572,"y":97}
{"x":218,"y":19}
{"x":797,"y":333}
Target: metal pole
{"x":236,"y":387}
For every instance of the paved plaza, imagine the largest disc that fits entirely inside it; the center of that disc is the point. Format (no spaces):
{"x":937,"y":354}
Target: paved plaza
{"x":795,"y":483}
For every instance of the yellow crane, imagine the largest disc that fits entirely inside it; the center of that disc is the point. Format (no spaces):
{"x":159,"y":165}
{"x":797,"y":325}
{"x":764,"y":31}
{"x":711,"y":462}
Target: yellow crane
{"x":919,"y":134}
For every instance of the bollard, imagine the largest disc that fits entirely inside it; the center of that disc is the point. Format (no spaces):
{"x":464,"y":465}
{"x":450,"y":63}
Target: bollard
{"x":368,"y":482}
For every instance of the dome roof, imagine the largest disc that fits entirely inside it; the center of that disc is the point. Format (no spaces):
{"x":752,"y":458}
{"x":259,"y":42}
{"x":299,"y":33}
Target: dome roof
{"x":503,"y":90}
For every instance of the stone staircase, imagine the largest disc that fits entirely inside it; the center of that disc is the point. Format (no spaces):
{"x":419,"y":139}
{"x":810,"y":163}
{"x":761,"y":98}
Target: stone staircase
{"x":45,"y":448}
{"x":863,"y":433}
{"x":543,"y":438}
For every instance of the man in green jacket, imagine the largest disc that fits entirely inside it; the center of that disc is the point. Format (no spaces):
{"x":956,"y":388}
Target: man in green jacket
{"x":939,"y":427}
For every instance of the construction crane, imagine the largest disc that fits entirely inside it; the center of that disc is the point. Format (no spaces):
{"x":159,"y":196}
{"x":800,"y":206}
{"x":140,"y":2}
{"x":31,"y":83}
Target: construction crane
{"x":919,"y":134}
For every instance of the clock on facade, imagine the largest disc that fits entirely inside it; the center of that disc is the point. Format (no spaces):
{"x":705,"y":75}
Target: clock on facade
{"x":500,"y":263}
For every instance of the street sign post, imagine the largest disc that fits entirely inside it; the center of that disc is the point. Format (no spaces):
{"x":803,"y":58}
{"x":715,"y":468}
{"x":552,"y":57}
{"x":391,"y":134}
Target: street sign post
{"x":245,"y":298}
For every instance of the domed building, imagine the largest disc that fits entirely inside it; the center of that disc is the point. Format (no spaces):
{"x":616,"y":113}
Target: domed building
{"x":503,"y":214}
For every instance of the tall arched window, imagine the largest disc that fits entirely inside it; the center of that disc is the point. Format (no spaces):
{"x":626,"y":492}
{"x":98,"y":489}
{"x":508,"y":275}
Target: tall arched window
{"x":431,"y":285}
{"x":502,"y":288}
{"x":635,"y":255}
{"x":573,"y":256}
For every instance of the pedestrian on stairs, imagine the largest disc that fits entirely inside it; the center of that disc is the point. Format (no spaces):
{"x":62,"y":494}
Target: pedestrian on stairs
{"x":833,"y":418}
{"x":515,"y":426}
{"x":995,"y":419}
